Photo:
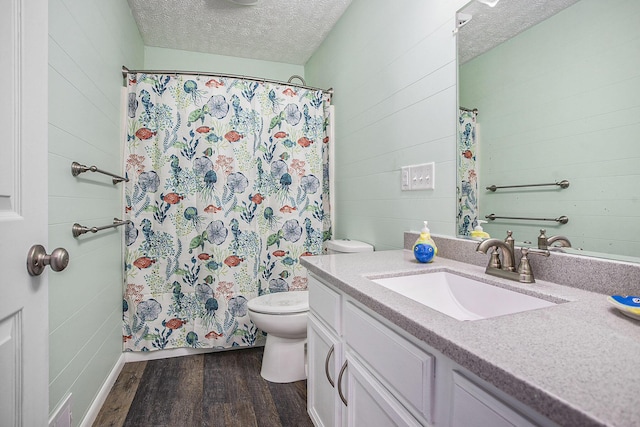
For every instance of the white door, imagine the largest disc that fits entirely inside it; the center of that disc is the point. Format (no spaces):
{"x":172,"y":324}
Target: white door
{"x":24,"y":319}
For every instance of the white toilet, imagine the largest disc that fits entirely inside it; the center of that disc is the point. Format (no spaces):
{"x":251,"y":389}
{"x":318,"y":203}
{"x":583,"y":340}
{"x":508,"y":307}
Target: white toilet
{"x":283,"y":316}
{"x":346,"y":246}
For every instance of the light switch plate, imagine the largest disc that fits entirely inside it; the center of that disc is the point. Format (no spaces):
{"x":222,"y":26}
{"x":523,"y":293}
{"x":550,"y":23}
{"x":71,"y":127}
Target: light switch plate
{"x":417,"y":177}
{"x":422,"y":176}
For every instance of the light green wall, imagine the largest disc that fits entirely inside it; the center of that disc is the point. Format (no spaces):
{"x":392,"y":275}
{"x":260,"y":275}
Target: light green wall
{"x":562,"y":101}
{"x":156,"y":58}
{"x":88,"y":43}
{"x":393,"y":68}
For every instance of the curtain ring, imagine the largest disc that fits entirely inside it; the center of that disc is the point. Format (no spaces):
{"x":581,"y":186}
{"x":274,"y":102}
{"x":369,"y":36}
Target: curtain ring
{"x":295,"y":76}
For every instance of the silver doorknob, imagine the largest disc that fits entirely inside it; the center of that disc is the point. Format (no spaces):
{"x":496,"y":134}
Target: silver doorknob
{"x":37,"y":260}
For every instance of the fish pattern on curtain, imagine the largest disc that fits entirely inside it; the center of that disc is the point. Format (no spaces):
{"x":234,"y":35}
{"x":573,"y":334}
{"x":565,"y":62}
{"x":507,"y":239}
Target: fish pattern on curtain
{"x":467,"y":179}
{"x":228,"y":188}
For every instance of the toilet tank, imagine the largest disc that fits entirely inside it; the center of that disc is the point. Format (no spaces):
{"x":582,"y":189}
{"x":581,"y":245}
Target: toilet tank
{"x":346,"y":246}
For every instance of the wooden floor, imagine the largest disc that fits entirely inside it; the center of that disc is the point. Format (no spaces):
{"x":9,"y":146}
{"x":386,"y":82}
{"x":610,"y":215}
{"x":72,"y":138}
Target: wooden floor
{"x":214,"y":389}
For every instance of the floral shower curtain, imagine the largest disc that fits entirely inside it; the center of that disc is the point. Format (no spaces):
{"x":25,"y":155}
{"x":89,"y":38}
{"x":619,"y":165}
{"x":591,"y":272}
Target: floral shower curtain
{"x":228,"y":188}
{"x":467,"y":180}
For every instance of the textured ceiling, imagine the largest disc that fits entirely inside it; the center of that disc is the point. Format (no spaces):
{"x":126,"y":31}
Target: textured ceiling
{"x":286,"y":31}
{"x":490,"y":26}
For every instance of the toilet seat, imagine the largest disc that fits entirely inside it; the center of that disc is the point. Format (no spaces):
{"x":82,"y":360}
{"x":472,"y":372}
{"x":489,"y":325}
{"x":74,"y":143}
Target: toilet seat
{"x":281,"y":303}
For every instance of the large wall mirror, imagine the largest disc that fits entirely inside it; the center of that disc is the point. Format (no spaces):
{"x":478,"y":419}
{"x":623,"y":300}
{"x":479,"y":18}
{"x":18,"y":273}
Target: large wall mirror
{"x":557,"y":101}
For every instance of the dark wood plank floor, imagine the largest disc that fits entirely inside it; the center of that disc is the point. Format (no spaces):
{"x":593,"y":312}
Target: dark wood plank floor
{"x":222,"y":389}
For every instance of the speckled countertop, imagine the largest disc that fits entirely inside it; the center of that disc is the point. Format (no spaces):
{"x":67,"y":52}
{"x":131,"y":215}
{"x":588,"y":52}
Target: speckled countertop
{"x":577,"y":363}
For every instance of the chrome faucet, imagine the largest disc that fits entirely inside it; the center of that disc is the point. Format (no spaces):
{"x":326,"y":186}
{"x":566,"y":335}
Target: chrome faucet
{"x":508,"y":260}
{"x":505,"y":268}
{"x":545,"y":242}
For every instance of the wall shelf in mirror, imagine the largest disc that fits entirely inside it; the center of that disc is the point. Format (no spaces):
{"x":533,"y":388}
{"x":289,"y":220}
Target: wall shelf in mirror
{"x":562,"y":219}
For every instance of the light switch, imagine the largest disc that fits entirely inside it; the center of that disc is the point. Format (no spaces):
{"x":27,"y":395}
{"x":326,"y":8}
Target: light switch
{"x":422,"y":176}
{"x":418,"y":177}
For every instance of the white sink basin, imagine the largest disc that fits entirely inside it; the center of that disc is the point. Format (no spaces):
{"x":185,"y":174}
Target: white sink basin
{"x":460,"y":297}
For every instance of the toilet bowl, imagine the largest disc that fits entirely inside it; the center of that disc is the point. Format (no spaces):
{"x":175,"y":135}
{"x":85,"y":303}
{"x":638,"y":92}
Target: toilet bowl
{"x":283,"y":316}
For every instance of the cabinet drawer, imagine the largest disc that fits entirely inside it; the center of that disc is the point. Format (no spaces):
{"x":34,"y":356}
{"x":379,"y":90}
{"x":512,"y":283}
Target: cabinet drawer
{"x":407,"y":369}
{"x":325,"y":303}
{"x":473,"y":406}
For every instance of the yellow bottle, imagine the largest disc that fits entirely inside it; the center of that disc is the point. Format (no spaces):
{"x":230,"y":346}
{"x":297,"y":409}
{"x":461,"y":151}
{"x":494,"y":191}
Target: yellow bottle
{"x":425,"y":248}
{"x":478,"y":233}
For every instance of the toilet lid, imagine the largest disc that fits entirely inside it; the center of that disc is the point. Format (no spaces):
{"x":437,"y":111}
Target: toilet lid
{"x":281,"y":303}
{"x":348,"y":246}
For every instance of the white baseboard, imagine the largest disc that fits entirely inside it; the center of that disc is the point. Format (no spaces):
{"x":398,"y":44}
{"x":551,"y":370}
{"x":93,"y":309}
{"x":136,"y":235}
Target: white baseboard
{"x":97,"y":403}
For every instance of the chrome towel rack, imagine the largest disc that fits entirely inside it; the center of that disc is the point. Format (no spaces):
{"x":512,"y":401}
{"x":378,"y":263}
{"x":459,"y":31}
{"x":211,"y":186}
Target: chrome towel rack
{"x":79,"y":230}
{"x":562,"y":220}
{"x":77,"y":169}
{"x":562,"y":184}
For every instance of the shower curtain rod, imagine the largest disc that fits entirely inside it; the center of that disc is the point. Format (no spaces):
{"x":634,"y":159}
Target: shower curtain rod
{"x":471,"y":110}
{"x":126,"y":71}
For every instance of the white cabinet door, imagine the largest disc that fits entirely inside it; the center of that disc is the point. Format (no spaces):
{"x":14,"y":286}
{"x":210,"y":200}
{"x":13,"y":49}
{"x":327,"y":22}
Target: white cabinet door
{"x":23,"y":212}
{"x":324,"y":351}
{"x":472,"y":406}
{"x":396,"y":363}
{"x":370,"y":404}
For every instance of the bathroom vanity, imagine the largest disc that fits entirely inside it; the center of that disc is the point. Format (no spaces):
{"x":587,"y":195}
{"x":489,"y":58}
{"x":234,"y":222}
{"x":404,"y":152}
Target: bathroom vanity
{"x":377,"y":357}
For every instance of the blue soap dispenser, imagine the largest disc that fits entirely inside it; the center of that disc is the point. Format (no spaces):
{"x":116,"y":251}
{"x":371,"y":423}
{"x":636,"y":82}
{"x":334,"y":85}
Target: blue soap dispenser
{"x":425,"y":248}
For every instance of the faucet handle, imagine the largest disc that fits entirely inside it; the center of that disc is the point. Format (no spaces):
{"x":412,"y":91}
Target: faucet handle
{"x":534,"y":251}
{"x":494,"y":261}
{"x":524,"y":269}
{"x":542,"y":239}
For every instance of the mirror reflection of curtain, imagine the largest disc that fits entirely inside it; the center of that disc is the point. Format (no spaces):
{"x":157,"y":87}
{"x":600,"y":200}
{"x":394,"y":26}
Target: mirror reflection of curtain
{"x":228,"y":188}
{"x":467,"y":179}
